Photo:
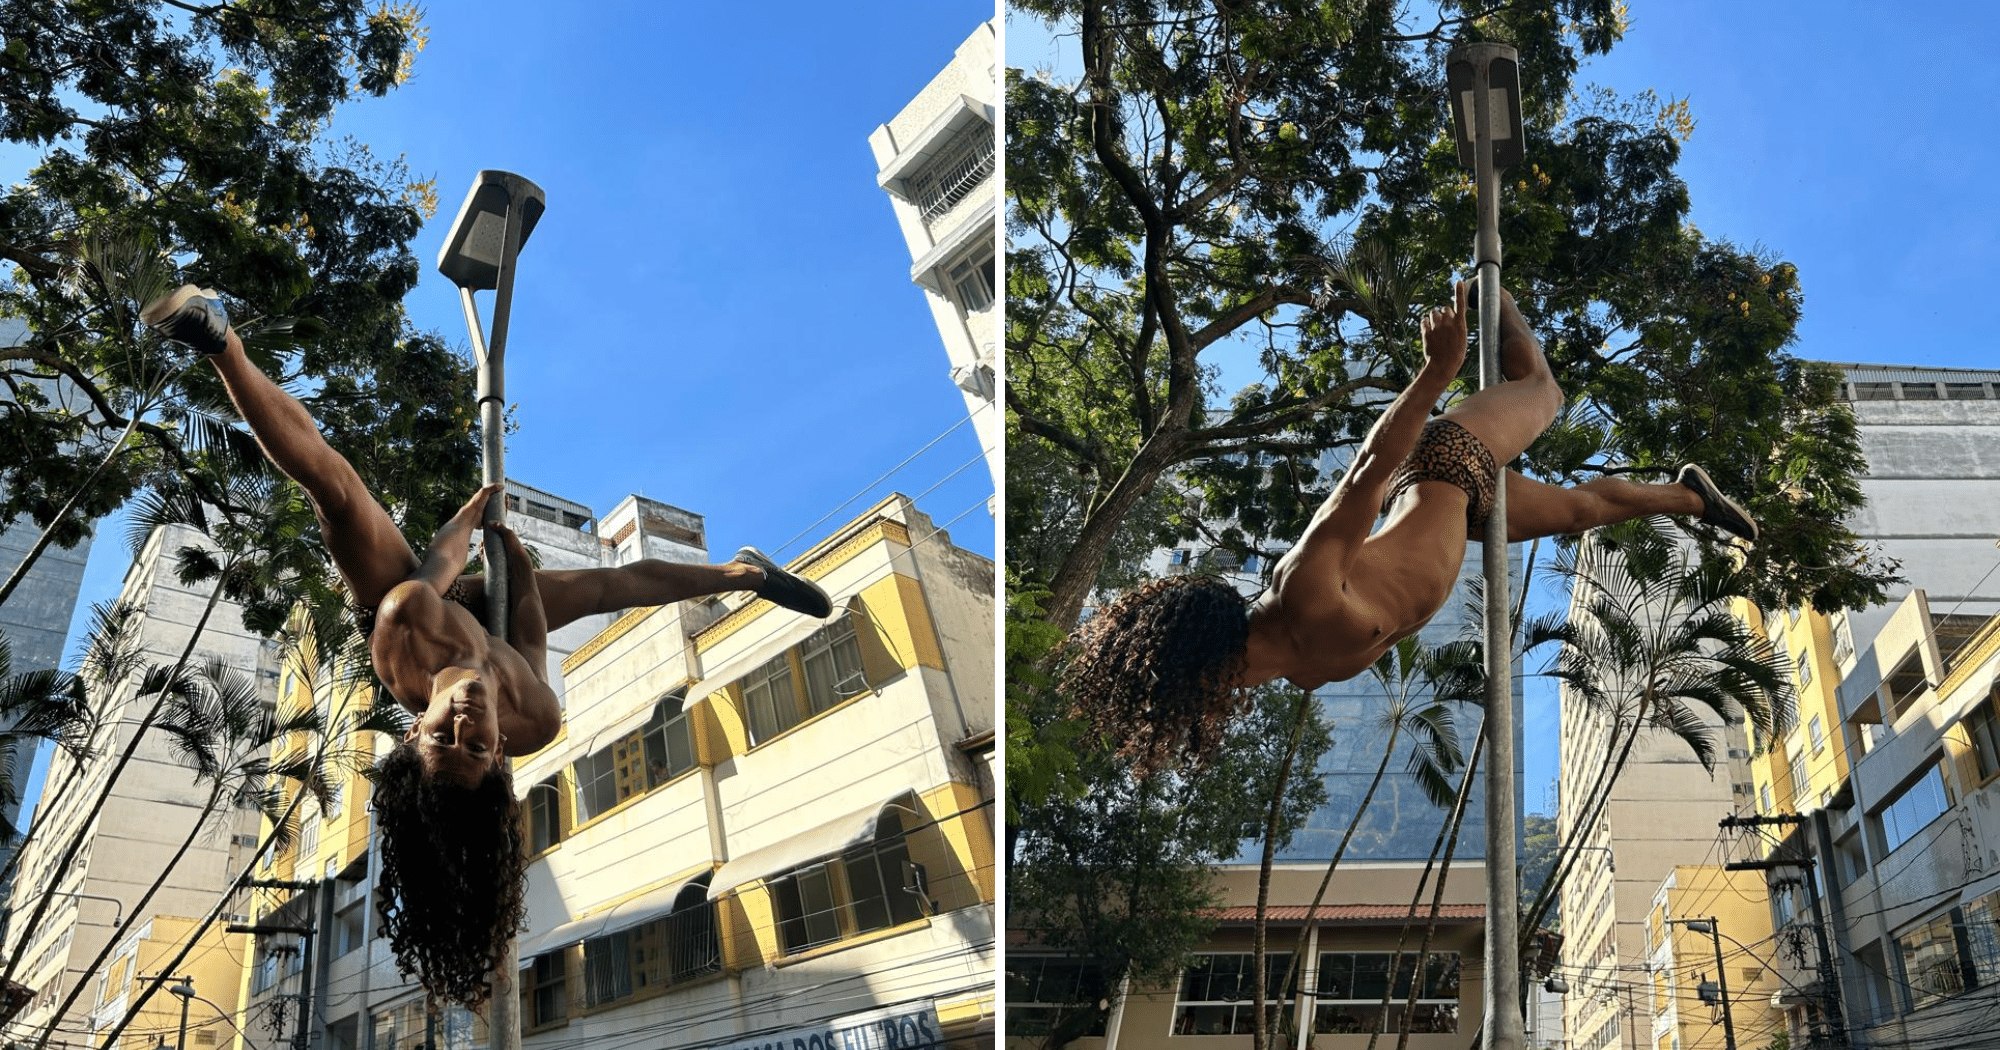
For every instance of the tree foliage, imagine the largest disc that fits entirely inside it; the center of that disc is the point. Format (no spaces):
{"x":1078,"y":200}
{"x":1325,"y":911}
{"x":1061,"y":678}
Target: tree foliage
{"x":1276,"y":180}
{"x":193,"y":142}
{"x":1119,"y":875}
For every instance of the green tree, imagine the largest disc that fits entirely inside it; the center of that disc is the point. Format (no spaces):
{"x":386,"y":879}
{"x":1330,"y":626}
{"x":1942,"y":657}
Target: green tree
{"x":180,"y":140}
{"x":1118,"y":877}
{"x":1274,"y":179}
{"x":1650,"y":646}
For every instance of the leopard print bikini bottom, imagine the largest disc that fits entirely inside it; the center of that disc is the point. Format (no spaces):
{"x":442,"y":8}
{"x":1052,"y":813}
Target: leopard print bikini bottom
{"x":1448,"y":452}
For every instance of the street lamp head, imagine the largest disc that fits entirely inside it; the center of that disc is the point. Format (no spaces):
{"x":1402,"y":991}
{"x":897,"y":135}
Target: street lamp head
{"x":1556,"y":986}
{"x":472,"y":251}
{"x":1502,"y":67}
{"x":184,"y":990}
{"x":1699,"y":925}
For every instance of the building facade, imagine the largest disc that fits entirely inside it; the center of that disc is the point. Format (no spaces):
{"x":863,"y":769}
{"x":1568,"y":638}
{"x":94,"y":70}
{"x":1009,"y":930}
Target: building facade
{"x":936,"y":161}
{"x":752,"y":825}
{"x":1796,"y":804}
{"x":1709,"y":943}
{"x":1343,"y":991}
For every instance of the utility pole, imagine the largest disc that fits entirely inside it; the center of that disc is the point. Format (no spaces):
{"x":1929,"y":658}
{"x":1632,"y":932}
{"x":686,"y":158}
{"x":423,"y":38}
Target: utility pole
{"x":1829,"y":984}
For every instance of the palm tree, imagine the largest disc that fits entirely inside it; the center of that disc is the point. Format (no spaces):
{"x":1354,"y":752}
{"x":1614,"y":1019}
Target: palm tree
{"x":1420,"y":682}
{"x":1650,"y":645}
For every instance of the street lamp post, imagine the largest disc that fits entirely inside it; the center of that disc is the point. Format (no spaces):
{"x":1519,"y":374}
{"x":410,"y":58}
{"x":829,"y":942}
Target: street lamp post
{"x":185,"y":990}
{"x":479,"y":254}
{"x":1709,"y":926}
{"x":1484,"y":84}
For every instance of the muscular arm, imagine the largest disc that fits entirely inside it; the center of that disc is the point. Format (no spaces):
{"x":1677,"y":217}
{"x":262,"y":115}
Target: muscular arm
{"x":445,"y":558}
{"x":1356,"y":502}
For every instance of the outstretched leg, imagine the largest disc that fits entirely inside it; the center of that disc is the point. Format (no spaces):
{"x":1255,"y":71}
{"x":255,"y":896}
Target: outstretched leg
{"x":568,"y":595}
{"x":1536,"y":509}
{"x":367,"y":548}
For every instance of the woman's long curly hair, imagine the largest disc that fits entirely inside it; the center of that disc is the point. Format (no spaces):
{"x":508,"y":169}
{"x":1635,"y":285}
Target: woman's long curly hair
{"x":1161,"y":669}
{"x":453,"y":874}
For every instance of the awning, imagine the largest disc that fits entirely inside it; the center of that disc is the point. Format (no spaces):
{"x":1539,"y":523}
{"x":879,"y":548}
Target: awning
{"x":773,"y":635}
{"x":653,"y":904}
{"x":834,"y":836}
{"x":587,"y":735}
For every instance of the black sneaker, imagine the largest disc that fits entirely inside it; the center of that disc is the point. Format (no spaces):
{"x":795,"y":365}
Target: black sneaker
{"x":190,"y":315}
{"x":1717,"y":509}
{"x":786,"y":589}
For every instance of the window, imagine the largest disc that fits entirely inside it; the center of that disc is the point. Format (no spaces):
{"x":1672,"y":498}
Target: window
{"x":1920,"y":392}
{"x":1792,"y":615}
{"x":669,"y":740}
{"x":1805,"y":669}
{"x":401,"y":1027}
{"x":871,"y":887}
{"x":1965,"y":391}
{"x":544,"y":815}
{"x":1800,"y":786}
{"x":971,"y":279}
{"x":1912,"y":809}
{"x":952,"y":173}
{"x":1932,"y":968}
{"x":768,"y":699}
{"x":819,"y":674}
{"x":1215,"y":992}
{"x":1984,"y":734}
{"x":694,"y":944}
{"x":1904,"y":684}
{"x":1843,"y":638}
{"x":1764,"y":800}
{"x":596,"y":784}
{"x":1352,"y":985}
{"x":831,"y":658}
{"x":608,"y":966}
{"x":347,"y":930}
{"x":545,"y":991}
{"x":1816,"y":732}
{"x":1043,"y":989}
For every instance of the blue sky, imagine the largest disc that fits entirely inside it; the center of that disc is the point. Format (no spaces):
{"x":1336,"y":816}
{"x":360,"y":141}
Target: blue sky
{"x":716,"y":310}
{"x":1852,"y":141}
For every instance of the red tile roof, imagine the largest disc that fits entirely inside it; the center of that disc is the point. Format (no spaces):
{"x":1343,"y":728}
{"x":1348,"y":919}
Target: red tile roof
{"x":1353,"y":913}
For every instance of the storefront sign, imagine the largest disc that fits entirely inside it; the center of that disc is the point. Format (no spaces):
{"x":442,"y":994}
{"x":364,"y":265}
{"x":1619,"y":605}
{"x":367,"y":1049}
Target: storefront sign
{"x":897,"y":1028}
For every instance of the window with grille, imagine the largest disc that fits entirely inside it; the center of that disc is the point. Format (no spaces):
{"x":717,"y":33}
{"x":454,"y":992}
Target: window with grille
{"x":1352,"y":985}
{"x":953,"y":172}
{"x":1932,"y":968}
{"x":1216,"y":990}
{"x":694,"y":943}
{"x":871,"y":887}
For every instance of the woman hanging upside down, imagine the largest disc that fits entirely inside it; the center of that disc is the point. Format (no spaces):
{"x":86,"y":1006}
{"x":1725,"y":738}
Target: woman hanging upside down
{"x":451,"y":856}
{"x":1164,"y":666}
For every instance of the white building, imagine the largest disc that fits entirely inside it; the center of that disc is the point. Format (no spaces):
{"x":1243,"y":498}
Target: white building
{"x":936,"y":160}
{"x":752,"y":823}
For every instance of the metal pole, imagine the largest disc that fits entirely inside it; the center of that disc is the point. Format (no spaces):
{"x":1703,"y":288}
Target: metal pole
{"x":1504,"y":1026}
{"x":183,"y":1042}
{"x":1722,"y":985}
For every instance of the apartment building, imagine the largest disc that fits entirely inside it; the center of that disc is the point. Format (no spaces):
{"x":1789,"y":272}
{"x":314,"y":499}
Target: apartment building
{"x":157,"y":818}
{"x":1711,"y":962}
{"x":1365,"y":932}
{"x":936,"y":161}
{"x":1931,"y":438}
{"x":752,"y":825}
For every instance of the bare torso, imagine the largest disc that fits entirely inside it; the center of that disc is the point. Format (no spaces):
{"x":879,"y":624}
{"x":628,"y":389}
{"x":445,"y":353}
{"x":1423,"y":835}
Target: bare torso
{"x":1335,"y":606}
{"x":418,"y":634}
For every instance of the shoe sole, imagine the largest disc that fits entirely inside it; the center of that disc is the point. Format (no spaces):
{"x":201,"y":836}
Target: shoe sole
{"x":1713,"y":497}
